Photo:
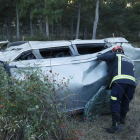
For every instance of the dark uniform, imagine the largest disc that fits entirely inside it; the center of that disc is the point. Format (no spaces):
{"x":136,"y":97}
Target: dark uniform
{"x":122,"y":82}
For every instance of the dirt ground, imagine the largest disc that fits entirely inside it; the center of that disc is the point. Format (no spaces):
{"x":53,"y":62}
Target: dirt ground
{"x":94,"y":130}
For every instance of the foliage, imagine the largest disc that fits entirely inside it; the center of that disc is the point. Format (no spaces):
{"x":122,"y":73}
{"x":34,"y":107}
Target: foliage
{"x":37,"y":37}
{"x":120,"y":17}
{"x":31,"y":107}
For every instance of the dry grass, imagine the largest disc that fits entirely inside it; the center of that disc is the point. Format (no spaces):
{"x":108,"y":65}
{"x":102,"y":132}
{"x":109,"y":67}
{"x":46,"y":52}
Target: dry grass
{"x":94,"y":130}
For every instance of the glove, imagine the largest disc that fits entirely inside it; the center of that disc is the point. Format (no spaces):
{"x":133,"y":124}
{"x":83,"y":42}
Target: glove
{"x":99,"y":54}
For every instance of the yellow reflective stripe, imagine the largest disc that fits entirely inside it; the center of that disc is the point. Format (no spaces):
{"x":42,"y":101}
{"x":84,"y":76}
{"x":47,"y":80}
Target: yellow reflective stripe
{"x":122,"y":77}
{"x":113,"y":98}
{"x":119,"y":64}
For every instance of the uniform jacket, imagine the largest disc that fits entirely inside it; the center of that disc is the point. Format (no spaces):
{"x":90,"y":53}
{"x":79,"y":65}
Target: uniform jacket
{"x":120,"y":67}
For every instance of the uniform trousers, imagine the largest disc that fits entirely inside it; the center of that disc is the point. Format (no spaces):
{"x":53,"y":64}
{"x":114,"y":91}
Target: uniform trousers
{"x":121,"y":95}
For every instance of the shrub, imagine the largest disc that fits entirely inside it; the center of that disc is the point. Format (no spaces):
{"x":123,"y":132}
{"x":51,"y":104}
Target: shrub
{"x":37,"y":37}
{"x":30,"y":106}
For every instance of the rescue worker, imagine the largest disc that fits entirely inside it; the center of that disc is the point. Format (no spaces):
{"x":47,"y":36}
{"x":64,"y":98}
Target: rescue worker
{"x":121,"y":72}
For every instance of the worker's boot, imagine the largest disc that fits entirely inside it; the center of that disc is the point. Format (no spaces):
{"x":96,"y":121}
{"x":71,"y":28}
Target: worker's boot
{"x":115,"y":124}
{"x":122,"y":118}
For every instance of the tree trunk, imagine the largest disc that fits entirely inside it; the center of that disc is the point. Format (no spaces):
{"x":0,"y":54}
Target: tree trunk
{"x":3,"y":32}
{"x":138,"y":36}
{"x":47,"y":24}
{"x":31,"y":26}
{"x":17,"y":14}
{"x":40,"y":24}
{"x":96,"y":20}
{"x":59,"y":32}
{"x":71,"y":31}
{"x":47,"y":29}
{"x":9,"y":36}
{"x":52,"y":32}
{"x":64,"y":33}
{"x":8,"y":27}
{"x":78,"y":21}
{"x":85,"y":32}
{"x":0,"y":31}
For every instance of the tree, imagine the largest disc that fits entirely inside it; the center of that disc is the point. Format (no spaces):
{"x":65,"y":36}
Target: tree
{"x":112,"y":17}
{"x":116,"y":16}
{"x":96,"y":20}
{"x":16,"y":5}
{"x":52,"y":11}
{"x":27,"y":11}
{"x":17,"y":16}
{"x":6,"y":15}
{"x":47,"y":23}
{"x":78,"y":20}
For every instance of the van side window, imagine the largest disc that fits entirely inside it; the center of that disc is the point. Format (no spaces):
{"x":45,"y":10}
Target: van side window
{"x":55,"y":52}
{"x":90,"y":48}
{"x":28,"y":55}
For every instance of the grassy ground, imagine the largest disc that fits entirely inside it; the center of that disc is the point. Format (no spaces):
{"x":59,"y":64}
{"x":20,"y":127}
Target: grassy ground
{"x":94,"y":130}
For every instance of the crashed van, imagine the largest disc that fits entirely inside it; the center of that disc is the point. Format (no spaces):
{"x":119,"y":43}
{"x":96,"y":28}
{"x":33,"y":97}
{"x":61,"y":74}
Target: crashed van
{"x":76,"y":58}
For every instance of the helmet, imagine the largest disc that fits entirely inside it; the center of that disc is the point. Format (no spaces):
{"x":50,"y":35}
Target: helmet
{"x":118,"y":48}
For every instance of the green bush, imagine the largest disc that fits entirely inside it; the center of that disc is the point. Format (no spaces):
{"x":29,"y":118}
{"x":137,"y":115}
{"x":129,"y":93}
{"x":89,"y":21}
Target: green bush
{"x":30,"y":108}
